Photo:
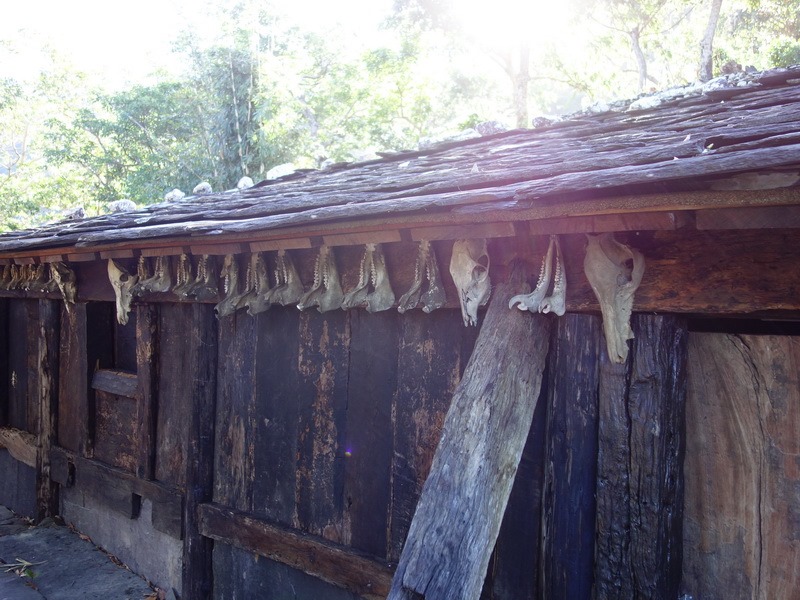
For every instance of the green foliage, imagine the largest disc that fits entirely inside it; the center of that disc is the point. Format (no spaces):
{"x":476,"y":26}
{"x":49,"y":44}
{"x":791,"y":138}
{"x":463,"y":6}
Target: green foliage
{"x":785,"y":52}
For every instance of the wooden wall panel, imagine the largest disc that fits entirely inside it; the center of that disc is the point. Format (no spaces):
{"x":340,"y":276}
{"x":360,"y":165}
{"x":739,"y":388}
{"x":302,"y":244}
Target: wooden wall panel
{"x":568,"y":512}
{"x":73,"y":386}
{"x":640,"y":464}
{"x":5,"y":343}
{"x":432,"y":354}
{"x":176,"y":332}
{"x":368,"y":450}
{"x":116,"y":442}
{"x":322,"y":401}
{"x":277,"y":381}
{"x":19,"y":350}
{"x":741,"y":524}
{"x":236,"y":412}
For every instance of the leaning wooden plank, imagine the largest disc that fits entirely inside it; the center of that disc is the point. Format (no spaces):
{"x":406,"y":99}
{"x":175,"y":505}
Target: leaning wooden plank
{"x":461,"y":507}
{"x":640,"y":464}
{"x":20,"y":444}
{"x":339,"y":565}
{"x":118,"y":383}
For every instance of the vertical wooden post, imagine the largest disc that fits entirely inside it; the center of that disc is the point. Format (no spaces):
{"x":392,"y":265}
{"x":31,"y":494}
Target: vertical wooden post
{"x":47,"y":403}
{"x":640,"y":464}
{"x":202,"y":376}
{"x":568,"y":515}
{"x":147,"y":389}
{"x":461,"y":507}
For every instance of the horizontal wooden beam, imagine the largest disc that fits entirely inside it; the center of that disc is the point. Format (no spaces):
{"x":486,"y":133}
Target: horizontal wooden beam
{"x":339,"y":565}
{"x":20,"y":444}
{"x":115,"y":382}
{"x":764,"y":217}
{"x":116,"y":488}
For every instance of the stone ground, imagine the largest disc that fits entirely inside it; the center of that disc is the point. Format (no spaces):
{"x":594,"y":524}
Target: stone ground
{"x":68,"y":567}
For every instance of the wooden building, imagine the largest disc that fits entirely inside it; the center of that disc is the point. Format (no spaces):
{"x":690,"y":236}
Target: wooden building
{"x":226,"y":444}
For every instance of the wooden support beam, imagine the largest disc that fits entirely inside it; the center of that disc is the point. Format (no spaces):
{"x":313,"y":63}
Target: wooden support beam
{"x":339,"y":565}
{"x":640,"y":464}
{"x":47,"y":396}
{"x":202,"y":386}
{"x":459,"y":513}
{"x":20,"y":444}
{"x":4,"y":356}
{"x":764,"y":217}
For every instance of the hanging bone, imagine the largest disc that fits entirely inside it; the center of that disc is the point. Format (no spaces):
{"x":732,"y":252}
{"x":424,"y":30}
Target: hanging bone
{"x":257,"y":300}
{"x":249,"y":291}
{"x":374,"y":290}
{"x":469,"y":267}
{"x":183,"y":276}
{"x":50,"y":286}
{"x":204,"y":288}
{"x":122,"y":282}
{"x":230,"y":286}
{"x":16,"y":277}
{"x":326,"y":293}
{"x":161,"y":280}
{"x":66,"y":281}
{"x":557,"y":301}
{"x":425,"y":270}
{"x":37,"y":280}
{"x":288,"y":287}
{"x":25,"y":278}
{"x":5,"y":278}
{"x":614,"y":282}
{"x":143,"y":274}
{"x":533,"y":301}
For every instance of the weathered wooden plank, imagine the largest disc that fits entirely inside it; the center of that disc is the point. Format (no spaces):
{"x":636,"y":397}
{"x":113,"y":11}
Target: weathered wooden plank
{"x":370,"y":237}
{"x":568,"y":514}
{"x":33,"y":368}
{"x":280,"y":244}
{"x":199,"y":394}
{"x":20,"y":444}
{"x":106,"y":254}
{"x":648,"y":221}
{"x":277,"y":382}
{"x":146,"y":393}
{"x":216,"y":249}
{"x":73,"y":405}
{"x":454,"y":232}
{"x":322,"y":404}
{"x":640,"y":464}
{"x":766,"y":217}
{"x":514,"y":570}
{"x":48,"y":343}
{"x":429,"y":365}
{"x":119,"y":383}
{"x":368,"y":453}
{"x":18,"y":347}
{"x":115,"y":440}
{"x":235,"y":422}
{"x":5,"y":341}
{"x":336,"y":564}
{"x":458,"y":516}
{"x":742,"y":477}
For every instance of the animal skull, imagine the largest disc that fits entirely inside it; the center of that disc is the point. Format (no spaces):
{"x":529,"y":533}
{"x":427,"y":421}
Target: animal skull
{"x":538,"y":300}
{"x":326,"y":293}
{"x":66,"y":281}
{"x":469,"y":267}
{"x":122,"y":282}
{"x":288,"y":286}
{"x":257,"y":301}
{"x":614,"y":283}
{"x":230,"y":275}
{"x":427,"y":268}
{"x":374,"y":276}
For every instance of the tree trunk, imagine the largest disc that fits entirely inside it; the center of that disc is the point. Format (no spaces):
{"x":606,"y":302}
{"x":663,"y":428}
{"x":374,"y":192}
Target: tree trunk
{"x":520,"y":80}
{"x":458,"y":516}
{"x":638,"y":53}
{"x":706,"y":69}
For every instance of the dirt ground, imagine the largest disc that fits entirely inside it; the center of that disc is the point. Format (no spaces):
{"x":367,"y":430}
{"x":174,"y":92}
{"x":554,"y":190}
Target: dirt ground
{"x":50,"y":561}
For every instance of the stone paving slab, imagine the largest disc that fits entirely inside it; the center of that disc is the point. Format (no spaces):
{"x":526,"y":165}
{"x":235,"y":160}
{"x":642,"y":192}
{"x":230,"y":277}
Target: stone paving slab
{"x":72,"y":568}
